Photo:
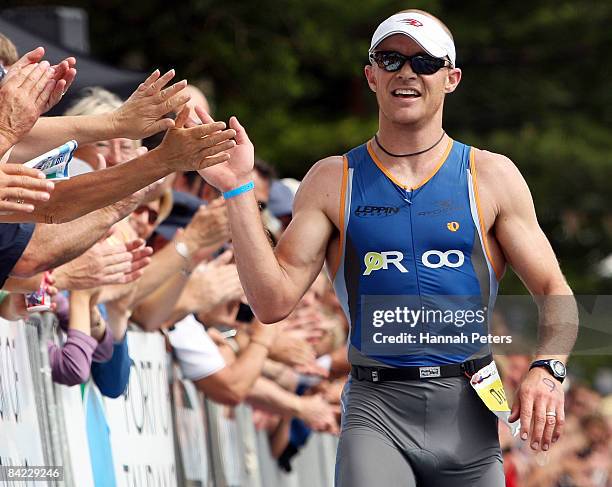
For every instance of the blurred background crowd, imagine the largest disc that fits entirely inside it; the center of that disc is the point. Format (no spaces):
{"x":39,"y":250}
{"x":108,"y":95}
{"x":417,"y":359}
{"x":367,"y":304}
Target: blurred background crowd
{"x":136,"y":238}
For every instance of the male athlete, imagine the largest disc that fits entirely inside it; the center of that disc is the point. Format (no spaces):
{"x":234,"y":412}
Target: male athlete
{"x":411,"y":216}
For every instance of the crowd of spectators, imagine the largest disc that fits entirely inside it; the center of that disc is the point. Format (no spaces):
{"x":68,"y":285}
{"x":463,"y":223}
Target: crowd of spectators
{"x":136,"y":238}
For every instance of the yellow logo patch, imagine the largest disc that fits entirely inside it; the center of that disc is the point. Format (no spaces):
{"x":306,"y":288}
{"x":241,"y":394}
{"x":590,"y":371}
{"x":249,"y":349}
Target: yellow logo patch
{"x":452,"y":226}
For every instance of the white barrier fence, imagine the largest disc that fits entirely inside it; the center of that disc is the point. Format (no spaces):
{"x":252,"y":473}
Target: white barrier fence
{"x":161,"y":432}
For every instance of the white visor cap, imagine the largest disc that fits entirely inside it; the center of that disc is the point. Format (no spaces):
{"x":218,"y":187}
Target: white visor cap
{"x":422,"y":29}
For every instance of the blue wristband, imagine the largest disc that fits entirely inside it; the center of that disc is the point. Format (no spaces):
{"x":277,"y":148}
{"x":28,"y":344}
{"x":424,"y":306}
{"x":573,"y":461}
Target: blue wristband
{"x":239,"y":190}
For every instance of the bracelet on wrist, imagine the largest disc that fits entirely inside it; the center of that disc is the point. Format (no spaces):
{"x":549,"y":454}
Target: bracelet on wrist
{"x":239,"y":190}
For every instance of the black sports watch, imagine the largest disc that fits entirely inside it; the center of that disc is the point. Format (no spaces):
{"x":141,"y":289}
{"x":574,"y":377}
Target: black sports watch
{"x":555,"y":367}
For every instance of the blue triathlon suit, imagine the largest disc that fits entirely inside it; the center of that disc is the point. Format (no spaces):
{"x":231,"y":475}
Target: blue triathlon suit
{"x":422,"y":249}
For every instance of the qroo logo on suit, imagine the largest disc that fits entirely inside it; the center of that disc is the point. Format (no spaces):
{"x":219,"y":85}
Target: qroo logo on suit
{"x":375,"y":261}
{"x":435,"y":259}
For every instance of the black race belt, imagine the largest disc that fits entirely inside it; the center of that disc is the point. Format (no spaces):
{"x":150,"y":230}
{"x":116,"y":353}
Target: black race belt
{"x":381,"y":374}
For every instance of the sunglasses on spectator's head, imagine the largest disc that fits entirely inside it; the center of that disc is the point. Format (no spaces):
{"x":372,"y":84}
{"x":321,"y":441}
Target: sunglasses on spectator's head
{"x":153,"y":215}
{"x":392,"y":61}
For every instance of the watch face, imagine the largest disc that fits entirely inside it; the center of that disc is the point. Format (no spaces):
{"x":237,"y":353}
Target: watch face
{"x":558,"y":367}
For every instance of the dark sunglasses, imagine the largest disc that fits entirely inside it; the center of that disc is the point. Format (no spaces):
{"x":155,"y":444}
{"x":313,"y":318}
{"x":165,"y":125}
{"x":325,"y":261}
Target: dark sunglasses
{"x":392,"y":61}
{"x":153,"y":215}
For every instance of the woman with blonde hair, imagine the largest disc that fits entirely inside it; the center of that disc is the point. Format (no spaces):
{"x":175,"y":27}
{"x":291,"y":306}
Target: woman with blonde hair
{"x":96,"y":101}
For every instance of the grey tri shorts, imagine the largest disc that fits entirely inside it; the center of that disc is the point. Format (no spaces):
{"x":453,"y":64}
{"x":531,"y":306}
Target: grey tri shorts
{"x":429,"y":433}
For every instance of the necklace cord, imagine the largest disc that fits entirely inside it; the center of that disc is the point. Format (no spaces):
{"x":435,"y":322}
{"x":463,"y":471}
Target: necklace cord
{"x":412,"y":153}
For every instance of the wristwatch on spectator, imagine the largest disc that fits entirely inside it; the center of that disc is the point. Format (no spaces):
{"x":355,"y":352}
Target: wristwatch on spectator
{"x":555,"y":367}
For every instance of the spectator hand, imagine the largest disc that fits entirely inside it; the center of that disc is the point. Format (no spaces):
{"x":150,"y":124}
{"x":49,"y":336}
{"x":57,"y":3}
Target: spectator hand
{"x":313,"y":369}
{"x":263,"y":334}
{"x":307,"y":324}
{"x":105,"y":263}
{"x":191,"y":149}
{"x":25,"y":93}
{"x":65,"y":73}
{"x":538,"y":394}
{"x":21,"y":188}
{"x":332,"y":392}
{"x":119,"y":312}
{"x":292,"y":351}
{"x":207,"y":231}
{"x":212,"y":285}
{"x":141,"y":114}
{"x":318,"y":414}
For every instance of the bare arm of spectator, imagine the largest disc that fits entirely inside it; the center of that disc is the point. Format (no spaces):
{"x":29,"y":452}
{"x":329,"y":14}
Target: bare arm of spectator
{"x":162,"y":283}
{"x":13,"y":307}
{"x":313,"y":410}
{"x":54,"y":245}
{"x":207,"y":288}
{"x":279,"y":438}
{"x":182,"y":149}
{"x":291,"y":350}
{"x":280,"y":373}
{"x":30,"y":284}
{"x":23,"y":285}
{"x":139,"y":117}
{"x":231,"y":384}
{"x":340,"y":365}
{"x":119,"y":312}
{"x":71,"y":363}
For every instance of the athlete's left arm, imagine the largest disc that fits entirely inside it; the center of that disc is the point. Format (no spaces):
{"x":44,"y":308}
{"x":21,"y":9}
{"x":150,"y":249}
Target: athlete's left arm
{"x":530,"y":254}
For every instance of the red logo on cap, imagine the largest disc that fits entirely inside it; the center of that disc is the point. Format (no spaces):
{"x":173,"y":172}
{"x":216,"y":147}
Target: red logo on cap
{"x":413,"y":22}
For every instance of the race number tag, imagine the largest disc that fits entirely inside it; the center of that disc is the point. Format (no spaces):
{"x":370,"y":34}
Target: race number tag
{"x":488,"y":385}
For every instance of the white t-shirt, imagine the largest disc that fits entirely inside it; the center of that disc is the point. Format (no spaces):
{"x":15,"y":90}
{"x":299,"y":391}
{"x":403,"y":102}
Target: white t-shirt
{"x":195,"y":352}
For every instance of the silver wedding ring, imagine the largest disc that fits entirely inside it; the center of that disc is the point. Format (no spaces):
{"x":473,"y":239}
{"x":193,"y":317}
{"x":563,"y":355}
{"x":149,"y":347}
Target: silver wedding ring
{"x":551,"y":413}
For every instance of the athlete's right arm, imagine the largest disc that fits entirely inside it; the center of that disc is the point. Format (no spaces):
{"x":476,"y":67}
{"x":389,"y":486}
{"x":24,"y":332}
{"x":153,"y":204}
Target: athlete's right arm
{"x":275,"y":280}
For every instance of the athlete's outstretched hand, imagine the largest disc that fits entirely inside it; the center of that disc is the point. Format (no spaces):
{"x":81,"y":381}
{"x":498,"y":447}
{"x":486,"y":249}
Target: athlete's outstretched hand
{"x":238,"y":170}
{"x":538,"y":397}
